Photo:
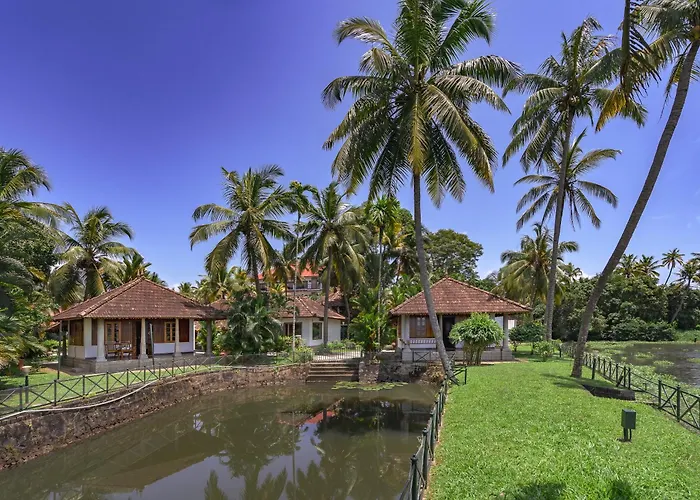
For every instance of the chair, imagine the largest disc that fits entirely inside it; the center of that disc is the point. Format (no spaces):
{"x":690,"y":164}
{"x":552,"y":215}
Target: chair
{"x":111,"y":349}
{"x":128,"y":349}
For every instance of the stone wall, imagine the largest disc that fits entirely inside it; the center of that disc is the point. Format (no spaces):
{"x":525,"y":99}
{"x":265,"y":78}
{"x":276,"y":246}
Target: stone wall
{"x":31,"y":434}
{"x":392,"y":369}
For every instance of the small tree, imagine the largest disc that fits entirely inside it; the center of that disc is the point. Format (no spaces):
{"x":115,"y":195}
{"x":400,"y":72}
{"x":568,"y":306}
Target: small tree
{"x":527,"y":332}
{"x":476,"y":333}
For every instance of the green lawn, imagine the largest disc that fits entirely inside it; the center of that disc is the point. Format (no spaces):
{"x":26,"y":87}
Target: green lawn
{"x":529,"y":431}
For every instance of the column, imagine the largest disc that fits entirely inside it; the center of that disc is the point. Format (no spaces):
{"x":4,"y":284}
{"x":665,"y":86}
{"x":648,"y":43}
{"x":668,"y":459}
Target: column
{"x":209,"y":334}
{"x":506,"y":336}
{"x":101,"y":340}
{"x":87,"y":332}
{"x":190,"y":347}
{"x":143,"y":355}
{"x":177,"y":337}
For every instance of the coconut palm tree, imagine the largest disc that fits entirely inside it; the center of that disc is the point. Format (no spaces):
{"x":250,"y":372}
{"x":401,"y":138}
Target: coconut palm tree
{"x":647,"y":265}
{"x":135,"y":266}
{"x":222,"y":284}
{"x":674,"y":26}
{"x":187,"y":289}
{"x":330,"y":235}
{"x":254,"y":203}
{"x":88,"y":258}
{"x":410,"y":118}
{"x":19,"y":179}
{"x":526,"y":272}
{"x":13,"y":273}
{"x":563,"y":91}
{"x":545,"y":194}
{"x":628,"y":265}
{"x":671,"y":259}
{"x":382,"y":213}
{"x":688,"y":275}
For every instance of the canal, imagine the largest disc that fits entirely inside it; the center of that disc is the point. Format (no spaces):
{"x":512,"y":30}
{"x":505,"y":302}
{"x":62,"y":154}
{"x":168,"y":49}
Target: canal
{"x":302,"y":442}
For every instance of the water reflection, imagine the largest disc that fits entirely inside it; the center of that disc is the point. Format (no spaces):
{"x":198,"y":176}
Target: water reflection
{"x":296,"y":443}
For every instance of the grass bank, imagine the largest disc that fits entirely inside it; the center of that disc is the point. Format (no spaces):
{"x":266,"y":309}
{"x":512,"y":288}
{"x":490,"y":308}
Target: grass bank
{"x":529,"y":431}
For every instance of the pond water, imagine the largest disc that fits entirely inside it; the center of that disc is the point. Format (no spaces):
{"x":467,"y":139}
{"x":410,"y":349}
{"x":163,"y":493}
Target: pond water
{"x":678,"y":359}
{"x":302,"y":442}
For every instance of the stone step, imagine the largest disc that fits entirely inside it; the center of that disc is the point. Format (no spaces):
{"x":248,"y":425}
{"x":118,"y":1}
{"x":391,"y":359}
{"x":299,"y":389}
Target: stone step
{"x":339,"y":363}
{"x":332,"y":378}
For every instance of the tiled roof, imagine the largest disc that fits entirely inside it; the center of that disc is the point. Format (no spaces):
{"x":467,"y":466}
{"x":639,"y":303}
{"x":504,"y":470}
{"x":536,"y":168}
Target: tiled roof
{"x":335,"y":298}
{"x":454,"y":297}
{"x":309,"y":308}
{"x":306,"y":273}
{"x":140,"y":298}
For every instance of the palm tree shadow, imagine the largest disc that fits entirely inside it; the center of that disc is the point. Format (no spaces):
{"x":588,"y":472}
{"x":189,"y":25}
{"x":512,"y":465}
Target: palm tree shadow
{"x":616,"y":490}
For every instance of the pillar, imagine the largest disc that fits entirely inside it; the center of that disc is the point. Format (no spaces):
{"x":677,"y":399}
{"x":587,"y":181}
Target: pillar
{"x":191,"y":336}
{"x":87,"y":332}
{"x":209,"y":334}
{"x":506,"y":336}
{"x":143,"y":355}
{"x":177,"y":337}
{"x":101,"y":340}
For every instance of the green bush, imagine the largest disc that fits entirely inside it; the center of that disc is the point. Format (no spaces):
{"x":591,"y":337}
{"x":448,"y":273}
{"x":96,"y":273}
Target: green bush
{"x":527,"y":332}
{"x":545,"y":350}
{"x":283,"y":343}
{"x":324,"y":349}
{"x":303,"y":355}
{"x":637,"y":329}
{"x":476,"y":333}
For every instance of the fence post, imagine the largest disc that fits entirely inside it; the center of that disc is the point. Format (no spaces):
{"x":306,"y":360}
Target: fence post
{"x":55,"y":391}
{"x":144,"y":374}
{"x":415,"y":485}
{"x":127,"y":377}
{"x":26,"y":389}
{"x":659,"y":394}
{"x":678,"y":403}
{"x":107,"y":377}
{"x":595,"y":360}
{"x":158,"y":371}
{"x":83,"y":385}
{"x":21,"y":393}
{"x":426,"y":454}
{"x":617,"y":373}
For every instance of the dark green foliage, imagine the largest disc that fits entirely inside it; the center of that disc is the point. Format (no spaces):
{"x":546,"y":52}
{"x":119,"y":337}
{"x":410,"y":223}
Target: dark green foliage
{"x":452,"y":254}
{"x":545,"y":349}
{"x":477,"y":332}
{"x":532,"y":331}
{"x":252,"y":328}
{"x":637,"y":329}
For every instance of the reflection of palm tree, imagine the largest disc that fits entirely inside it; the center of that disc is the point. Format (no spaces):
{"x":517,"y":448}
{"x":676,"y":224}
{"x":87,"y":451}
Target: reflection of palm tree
{"x":212,"y":490}
{"x":271,"y":488}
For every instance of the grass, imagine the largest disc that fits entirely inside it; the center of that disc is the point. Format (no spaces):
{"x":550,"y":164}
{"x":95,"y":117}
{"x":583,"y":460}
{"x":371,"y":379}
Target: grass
{"x":529,"y":431}
{"x":687,"y":335}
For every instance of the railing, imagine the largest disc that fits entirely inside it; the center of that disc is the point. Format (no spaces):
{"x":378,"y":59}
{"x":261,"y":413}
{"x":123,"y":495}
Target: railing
{"x":421,"y":461}
{"x":29,"y":397}
{"x":428,"y":356}
{"x":331,"y":353}
{"x":674,"y":400}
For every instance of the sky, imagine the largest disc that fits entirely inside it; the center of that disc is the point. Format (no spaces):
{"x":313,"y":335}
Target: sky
{"x":137,"y":104}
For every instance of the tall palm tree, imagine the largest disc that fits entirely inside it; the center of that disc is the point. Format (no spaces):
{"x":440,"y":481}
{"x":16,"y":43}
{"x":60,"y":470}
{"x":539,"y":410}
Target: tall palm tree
{"x":135,"y":266}
{"x":563,"y":91}
{"x":329,"y":235}
{"x":526,"y":273}
{"x":675,"y":26}
{"x":545,"y":194}
{"x":628,"y":265}
{"x":88,"y":257}
{"x":382,"y":213}
{"x":222,"y":284}
{"x":411,"y":112}
{"x":647,"y":265}
{"x":671,"y":259}
{"x":298,"y":203}
{"x":13,"y":273}
{"x":254,"y":203}
{"x":19,"y":179}
{"x":688,"y":274}
{"x":187,"y":289}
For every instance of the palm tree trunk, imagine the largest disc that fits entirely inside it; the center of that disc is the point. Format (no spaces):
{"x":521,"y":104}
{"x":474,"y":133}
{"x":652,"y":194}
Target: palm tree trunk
{"x":639,"y":206}
{"x":680,"y":304}
{"x":329,"y":270}
{"x":670,"y":272}
{"x":253,"y":262}
{"x":425,"y":282}
{"x":379,"y":286}
{"x":559,"y":213}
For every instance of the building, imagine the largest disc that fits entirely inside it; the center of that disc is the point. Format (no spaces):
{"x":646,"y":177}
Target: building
{"x":125,"y":327}
{"x":454,"y":302}
{"x":310,"y":322}
{"x":308,"y":281}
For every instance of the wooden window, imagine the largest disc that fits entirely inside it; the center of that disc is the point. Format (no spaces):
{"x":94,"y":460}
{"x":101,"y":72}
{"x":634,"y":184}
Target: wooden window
{"x":76,"y":333}
{"x":113,"y":331}
{"x":288,"y":329}
{"x":169,"y":332}
{"x":419,"y":327}
{"x":184,"y":330}
{"x":317,"y":331}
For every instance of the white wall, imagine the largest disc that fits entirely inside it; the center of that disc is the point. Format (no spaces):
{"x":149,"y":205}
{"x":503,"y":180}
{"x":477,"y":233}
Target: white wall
{"x":307,"y":330}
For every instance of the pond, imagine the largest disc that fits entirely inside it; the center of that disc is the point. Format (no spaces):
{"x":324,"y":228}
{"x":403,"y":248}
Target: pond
{"x":300,"y":442}
{"x":678,"y":359}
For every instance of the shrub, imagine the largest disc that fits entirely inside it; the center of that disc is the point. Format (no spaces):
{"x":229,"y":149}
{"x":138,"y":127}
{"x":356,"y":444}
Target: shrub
{"x":303,"y":355}
{"x":476,"y":333}
{"x":545,"y":349}
{"x":527,"y":332}
{"x":637,"y":329}
{"x":324,"y":349}
{"x":283,"y":343}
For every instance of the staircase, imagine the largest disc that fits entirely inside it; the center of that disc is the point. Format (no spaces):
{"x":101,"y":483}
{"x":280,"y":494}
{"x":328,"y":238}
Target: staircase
{"x":334,"y":371}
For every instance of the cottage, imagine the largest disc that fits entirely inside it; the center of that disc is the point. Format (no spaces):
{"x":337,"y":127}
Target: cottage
{"x":126,"y":326}
{"x":454,"y":302}
{"x":310,"y":322}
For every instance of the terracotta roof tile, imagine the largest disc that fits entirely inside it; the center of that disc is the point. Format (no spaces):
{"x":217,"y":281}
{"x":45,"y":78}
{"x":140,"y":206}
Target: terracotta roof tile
{"x":140,"y":298}
{"x":454,"y":297}
{"x":309,"y":308}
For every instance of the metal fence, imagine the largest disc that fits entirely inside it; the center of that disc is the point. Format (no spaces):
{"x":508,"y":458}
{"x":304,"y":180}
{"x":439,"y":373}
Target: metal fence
{"x":72,"y":388}
{"x":334,"y":353}
{"x":421,"y":461}
{"x":674,"y":400}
